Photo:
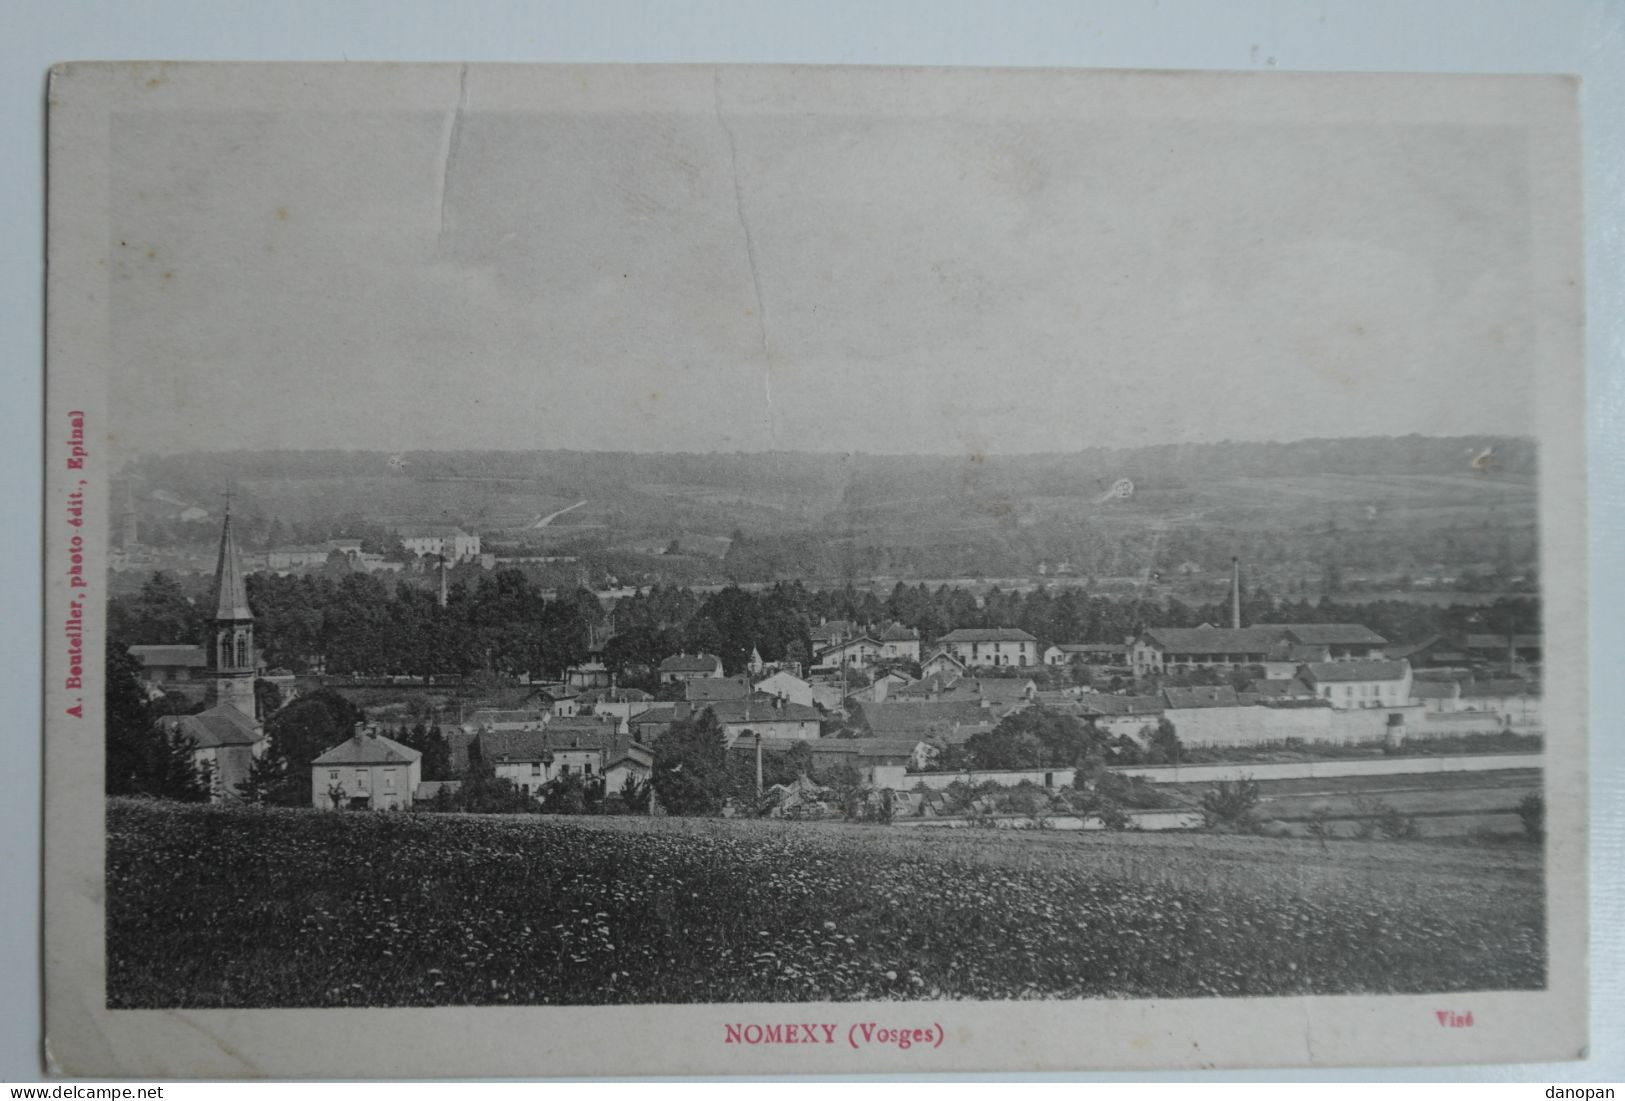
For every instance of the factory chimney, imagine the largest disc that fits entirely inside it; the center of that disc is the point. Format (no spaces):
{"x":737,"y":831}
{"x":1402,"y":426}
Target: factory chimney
{"x":1235,"y":593}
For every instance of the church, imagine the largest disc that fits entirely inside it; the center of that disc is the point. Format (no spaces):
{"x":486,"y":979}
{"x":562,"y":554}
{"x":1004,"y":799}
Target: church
{"x":228,"y":733}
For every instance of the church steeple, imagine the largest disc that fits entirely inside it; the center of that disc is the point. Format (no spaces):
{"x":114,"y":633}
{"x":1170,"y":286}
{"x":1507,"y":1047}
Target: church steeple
{"x":230,"y":593}
{"x":231,"y":653}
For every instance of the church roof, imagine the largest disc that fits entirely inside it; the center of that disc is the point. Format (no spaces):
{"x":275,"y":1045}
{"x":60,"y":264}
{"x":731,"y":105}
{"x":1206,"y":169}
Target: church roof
{"x":230,"y":592}
{"x":221,"y":725}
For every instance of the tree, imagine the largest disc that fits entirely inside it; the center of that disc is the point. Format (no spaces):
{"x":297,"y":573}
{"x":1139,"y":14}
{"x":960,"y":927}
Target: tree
{"x":691,"y":766}
{"x":1164,"y":747}
{"x":297,"y":735}
{"x":635,"y":794}
{"x":144,"y":755}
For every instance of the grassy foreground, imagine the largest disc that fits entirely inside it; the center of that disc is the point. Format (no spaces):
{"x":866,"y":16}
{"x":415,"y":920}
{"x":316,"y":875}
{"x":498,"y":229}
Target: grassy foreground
{"x":212,"y":907}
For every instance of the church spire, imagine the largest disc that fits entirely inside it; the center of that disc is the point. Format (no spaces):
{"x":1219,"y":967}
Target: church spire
{"x":230,"y":591}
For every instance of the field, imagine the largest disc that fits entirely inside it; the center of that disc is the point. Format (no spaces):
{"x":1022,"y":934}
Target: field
{"x":213,"y":907}
{"x":1440,"y":804}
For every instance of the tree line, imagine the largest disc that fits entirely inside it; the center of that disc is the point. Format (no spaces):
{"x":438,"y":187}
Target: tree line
{"x":503,"y":622}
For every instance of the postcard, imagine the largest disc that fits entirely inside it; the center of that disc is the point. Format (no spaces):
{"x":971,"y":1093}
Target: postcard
{"x":622,"y":570}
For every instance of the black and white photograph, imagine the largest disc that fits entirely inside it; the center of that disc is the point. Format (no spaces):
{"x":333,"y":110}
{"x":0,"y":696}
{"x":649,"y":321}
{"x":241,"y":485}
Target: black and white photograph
{"x":873,"y":560}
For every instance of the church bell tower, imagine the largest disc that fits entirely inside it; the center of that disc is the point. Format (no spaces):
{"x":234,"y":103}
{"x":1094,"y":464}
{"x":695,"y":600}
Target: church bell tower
{"x":231,"y":645}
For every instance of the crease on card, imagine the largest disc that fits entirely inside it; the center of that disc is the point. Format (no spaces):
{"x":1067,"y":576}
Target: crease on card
{"x":750,"y":257}
{"x":220,"y":1044}
{"x":448,"y":148}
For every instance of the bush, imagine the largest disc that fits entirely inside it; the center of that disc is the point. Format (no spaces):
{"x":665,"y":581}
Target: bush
{"x":1231,"y":805}
{"x":1532,"y":812}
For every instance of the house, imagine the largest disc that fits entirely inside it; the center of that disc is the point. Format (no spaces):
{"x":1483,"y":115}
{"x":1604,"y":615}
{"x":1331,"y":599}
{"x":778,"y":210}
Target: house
{"x":226,"y":743}
{"x":1359,"y":684}
{"x":986,"y":646}
{"x":1087,"y":653}
{"x":1002,"y":694}
{"x":855,"y":653}
{"x":1202,"y":696}
{"x":900,"y":643}
{"x":1433,"y":652}
{"x":831,"y":631}
{"x":1338,"y":641}
{"x":951,"y":721}
{"x":1115,"y":715}
{"x":786,"y":686}
{"x":442,"y":540}
{"x":1438,"y":697}
{"x":708,"y":689}
{"x":308,"y":556}
{"x":366,"y":772}
{"x":522,"y":719}
{"x":559,"y":700}
{"x":1499,"y":649}
{"x":880,"y":688}
{"x":1181,"y":649}
{"x":622,"y":703}
{"x":766,"y":717}
{"x":531,"y":759}
{"x":1514,"y":702}
{"x":1278,"y":648}
{"x":430,"y":791}
{"x":161,"y":665}
{"x":589,"y":674}
{"x":1286,"y":691}
{"x":755,"y":665}
{"x":942,"y":663}
{"x":864,"y":753}
{"x":685,"y":667}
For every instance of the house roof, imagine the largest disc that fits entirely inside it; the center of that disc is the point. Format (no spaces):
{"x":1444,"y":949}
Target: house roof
{"x":884,"y":748}
{"x":847,"y":644}
{"x":899,"y":633}
{"x":1201,"y":696}
{"x":492,"y":717}
{"x":529,"y":745}
{"x":1498,"y":688}
{"x":987,"y":634}
{"x":1281,"y":689}
{"x":433,"y":531}
{"x":1499,"y":642}
{"x":1104,"y":704}
{"x":1434,"y":690}
{"x":1093,"y":647}
{"x":368,"y":749}
{"x":1214,"y":640}
{"x":614,"y":695}
{"x":1334,"y":671}
{"x":221,"y":725}
{"x":428,"y":789}
{"x":690,"y":663}
{"x":1332,"y":634}
{"x":913,"y":719}
{"x":716,"y":688}
{"x":191,"y":657}
{"x":761,"y":709}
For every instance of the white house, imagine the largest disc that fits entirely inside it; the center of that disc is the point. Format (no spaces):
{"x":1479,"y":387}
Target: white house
{"x":773,"y":719}
{"x":900,"y":643}
{"x":1347,"y":685}
{"x":786,"y":686}
{"x":855,"y":653}
{"x":943,"y":664}
{"x":366,"y":772}
{"x":682,"y":667}
{"x":444,"y":540}
{"x":991,"y":646}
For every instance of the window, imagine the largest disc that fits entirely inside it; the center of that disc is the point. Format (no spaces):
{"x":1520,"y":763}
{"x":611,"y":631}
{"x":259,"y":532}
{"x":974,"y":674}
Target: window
{"x":360,"y":777}
{"x":536,"y":768}
{"x":242,"y":650}
{"x":586,"y":769}
{"x":389,"y":779}
{"x":333,"y":775}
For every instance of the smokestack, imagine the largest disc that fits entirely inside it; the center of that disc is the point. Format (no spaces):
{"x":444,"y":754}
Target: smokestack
{"x":1235,"y":593}
{"x":442,"y":581}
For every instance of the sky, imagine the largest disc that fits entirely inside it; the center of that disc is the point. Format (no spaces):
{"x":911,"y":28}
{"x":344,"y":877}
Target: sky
{"x":741,"y":274}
